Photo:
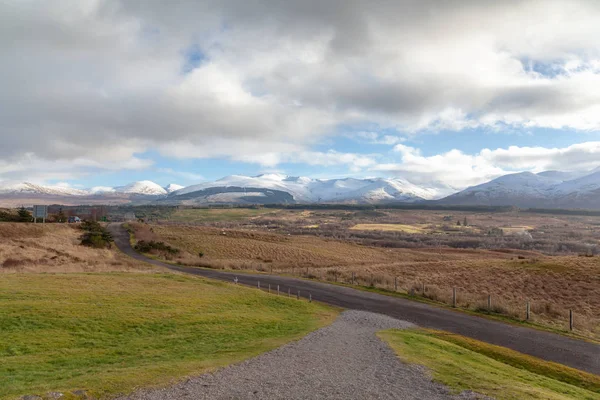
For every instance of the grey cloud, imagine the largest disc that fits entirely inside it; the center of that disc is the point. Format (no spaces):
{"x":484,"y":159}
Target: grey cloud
{"x":82,"y":79}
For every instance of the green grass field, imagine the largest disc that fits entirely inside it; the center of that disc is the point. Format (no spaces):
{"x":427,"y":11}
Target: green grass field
{"x":217,"y":214}
{"x":111,"y":333}
{"x":467,"y":364}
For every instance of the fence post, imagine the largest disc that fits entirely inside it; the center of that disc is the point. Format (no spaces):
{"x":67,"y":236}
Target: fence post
{"x":423,"y":289}
{"x":292,"y":270}
{"x":307,"y":272}
{"x":528,"y":311}
{"x":489,"y":302}
{"x":372,"y":284}
{"x":298,"y":295}
{"x":269,"y":288}
{"x":289,"y":292}
{"x":395,"y":283}
{"x":570,"y":320}
{"x":353,"y":278}
{"x":309,"y":297}
{"x":454,"y":297}
{"x":259,"y":284}
{"x":271,"y":270}
{"x":277,"y":290}
{"x":335,"y":276}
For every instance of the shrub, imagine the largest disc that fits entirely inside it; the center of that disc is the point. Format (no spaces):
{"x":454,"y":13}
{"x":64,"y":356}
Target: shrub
{"x":13,"y":263}
{"x":9,"y":217}
{"x":24,"y":215}
{"x":95,"y":235}
{"x":144,"y":246}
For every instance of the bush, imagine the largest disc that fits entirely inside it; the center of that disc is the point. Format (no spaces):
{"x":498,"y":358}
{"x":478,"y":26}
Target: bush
{"x":24,"y":215}
{"x":144,"y":246}
{"x":95,"y":235}
{"x":9,"y":217}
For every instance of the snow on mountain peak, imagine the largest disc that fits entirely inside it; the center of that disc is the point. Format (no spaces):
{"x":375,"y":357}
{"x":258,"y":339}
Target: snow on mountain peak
{"x":142,"y":187}
{"x":307,"y":190}
{"x":31,"y":188}
{"x":102,"y":189}
{"x":272,"y":177}
{"x":173,"y":187}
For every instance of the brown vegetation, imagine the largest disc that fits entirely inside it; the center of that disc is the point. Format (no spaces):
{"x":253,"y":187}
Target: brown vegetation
{"x":548,"y":234}
{"x":553,"y":284}
{"x":56,"y":248}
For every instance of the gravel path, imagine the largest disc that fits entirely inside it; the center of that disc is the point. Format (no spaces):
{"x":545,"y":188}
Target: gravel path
{"x":342,"y":361}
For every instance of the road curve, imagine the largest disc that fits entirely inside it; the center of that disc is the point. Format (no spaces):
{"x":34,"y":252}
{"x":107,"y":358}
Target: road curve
{"x":548,"y":346}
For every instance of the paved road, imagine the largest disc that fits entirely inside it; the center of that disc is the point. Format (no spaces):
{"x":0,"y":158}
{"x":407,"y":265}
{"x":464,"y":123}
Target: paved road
{"x":548,"y":346}
{"x":344,"y":360}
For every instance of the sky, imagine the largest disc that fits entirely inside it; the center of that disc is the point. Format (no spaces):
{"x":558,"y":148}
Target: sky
{"x":443,"y":94}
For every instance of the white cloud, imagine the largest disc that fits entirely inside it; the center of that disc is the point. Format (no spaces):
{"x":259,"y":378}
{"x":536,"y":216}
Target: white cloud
{"x":188,"y":176}
{"x":376,"y":138}
{"x":355,"y":162}
{"x":455,"y":170}
{"x":274,"y":79}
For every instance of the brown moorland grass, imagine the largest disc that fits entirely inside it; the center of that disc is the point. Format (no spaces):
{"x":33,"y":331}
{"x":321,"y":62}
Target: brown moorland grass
{"x":55,"y":248}
{"x":553,"y":285}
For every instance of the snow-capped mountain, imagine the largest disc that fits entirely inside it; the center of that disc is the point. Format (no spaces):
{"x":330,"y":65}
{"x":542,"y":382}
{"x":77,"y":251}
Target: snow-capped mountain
{"x":173,"y":187}
{"x":553,"y":189}
{"x":307,"y":190}
{"x":30,"y":188}
{"x":147,"y":188}
{"x":550,"y":189}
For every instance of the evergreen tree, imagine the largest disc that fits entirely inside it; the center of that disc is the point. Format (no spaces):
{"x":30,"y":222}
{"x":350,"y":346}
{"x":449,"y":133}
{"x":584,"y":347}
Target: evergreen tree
{"x":465,"y":222}
{"x":24,"y":215}
{"x":61,"y":217}
{"x":458,"y":223}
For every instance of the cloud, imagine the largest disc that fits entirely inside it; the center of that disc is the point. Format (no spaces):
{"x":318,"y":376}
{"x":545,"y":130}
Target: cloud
{"x":102,"y":81}
{"x":376,"y":138}
{"x":355,"y":162}
{"x":455,"y":170}
{"x":31,"y":168}
{"x":188,"y":176}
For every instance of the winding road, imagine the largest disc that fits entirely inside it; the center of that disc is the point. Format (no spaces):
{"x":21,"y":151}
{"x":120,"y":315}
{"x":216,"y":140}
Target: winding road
{"x":545,"y":345}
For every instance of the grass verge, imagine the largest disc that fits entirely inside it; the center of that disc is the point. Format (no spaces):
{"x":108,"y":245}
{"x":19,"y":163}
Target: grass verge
{"x":111,"y":333}
{"x":462,"y":364}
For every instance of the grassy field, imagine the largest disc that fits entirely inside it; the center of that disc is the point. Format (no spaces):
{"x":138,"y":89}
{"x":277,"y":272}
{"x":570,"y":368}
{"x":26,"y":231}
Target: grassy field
{"x":391,"y":227}
{"x":56,"y":248}
{"x":110,"y":333}
{"x":196,"y":215}
{"x":466,"y":364}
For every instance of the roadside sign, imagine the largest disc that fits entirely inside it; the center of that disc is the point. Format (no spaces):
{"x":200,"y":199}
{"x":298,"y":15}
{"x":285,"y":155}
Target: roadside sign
{"x":40,"y":212}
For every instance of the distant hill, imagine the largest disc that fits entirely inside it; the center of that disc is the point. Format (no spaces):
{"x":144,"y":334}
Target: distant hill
{"x":549,"y":189}
{"x":544,"y":190}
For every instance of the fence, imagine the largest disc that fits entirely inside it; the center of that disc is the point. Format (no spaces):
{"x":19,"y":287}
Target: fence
{"x":539,"y":313}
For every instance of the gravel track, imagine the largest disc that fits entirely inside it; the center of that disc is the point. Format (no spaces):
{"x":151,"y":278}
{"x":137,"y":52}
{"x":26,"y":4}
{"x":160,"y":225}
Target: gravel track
{"x":342,"y":361}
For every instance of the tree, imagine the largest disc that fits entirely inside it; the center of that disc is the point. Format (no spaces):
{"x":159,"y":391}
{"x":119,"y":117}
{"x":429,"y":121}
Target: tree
{"x":24,"y":215}
{"x":465,"y":222}
{"x":458,"y":223}
{"x":95,"y":235}
{"x":61,"y":217}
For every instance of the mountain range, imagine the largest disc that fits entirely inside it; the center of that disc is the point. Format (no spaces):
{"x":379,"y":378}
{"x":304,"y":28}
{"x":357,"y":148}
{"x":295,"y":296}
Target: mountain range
{"x":549,"y":189}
